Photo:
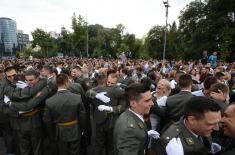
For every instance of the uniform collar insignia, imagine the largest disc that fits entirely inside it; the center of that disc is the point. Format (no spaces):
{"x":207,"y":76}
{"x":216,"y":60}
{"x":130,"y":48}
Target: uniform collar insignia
{"x":189,"y":141}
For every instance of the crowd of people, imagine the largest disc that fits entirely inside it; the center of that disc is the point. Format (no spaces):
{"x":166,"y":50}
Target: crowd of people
{"x":71,"y":106}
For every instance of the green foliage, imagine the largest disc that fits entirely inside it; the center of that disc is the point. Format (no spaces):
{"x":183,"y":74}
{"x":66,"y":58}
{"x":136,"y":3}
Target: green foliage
{"x":203,"y":25}
{"x":45,"y":41}
{"x":79,"y":35}
{"x":207,"y":26}
{"x":64,"y":42}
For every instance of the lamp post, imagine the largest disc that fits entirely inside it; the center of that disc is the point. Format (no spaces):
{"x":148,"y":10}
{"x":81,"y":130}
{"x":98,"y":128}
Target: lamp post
{"x":166,"y":4}
{"x":87,"y":39}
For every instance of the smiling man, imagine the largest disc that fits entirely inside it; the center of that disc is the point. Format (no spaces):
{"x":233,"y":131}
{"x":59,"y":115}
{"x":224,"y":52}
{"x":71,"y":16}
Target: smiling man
{"x":130,"y":132}
{"x":194,"y":129}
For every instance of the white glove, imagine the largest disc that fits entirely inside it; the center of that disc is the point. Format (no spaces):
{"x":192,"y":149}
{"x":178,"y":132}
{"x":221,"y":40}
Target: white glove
{"x":105,"y":108}
{"x":215,"y":148}
{"x":175,"y":147}
{"x":21,"y":84}
{"x":102,"y":97}
{"x":153,"y":134}
{"x":6,"y":100}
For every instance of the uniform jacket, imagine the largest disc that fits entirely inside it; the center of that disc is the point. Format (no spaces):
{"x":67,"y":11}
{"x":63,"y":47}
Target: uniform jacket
{"x":117,"y":102}
{"x":63,"y":107}
{"x":191,"y":144}
{"x":130,"y":135}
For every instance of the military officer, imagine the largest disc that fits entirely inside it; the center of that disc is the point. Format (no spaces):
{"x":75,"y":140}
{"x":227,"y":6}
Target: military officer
{"x":202,"y":116}
{"x":130,"y":132}
{"x":22,"y":93}
{"x":66,"y":110}
{"x":77,"y":75}
{"x":109,"y":103}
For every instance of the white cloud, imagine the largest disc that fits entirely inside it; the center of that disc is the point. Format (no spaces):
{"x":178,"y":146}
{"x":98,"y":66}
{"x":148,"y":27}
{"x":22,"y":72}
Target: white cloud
{"x":138,"y":16}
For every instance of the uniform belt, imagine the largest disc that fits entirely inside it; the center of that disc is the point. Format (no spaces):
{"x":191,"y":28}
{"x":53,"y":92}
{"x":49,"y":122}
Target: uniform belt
{"x":31,"y":113}
{"x":76,"y":121}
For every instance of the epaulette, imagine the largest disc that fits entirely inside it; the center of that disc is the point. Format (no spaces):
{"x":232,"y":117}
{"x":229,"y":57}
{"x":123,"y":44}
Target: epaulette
{"x":172,"y":132}
{"x":131,"y":123}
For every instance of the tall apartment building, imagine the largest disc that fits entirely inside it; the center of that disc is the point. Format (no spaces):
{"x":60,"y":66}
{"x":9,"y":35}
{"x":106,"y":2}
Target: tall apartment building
{"x":8,"y":36}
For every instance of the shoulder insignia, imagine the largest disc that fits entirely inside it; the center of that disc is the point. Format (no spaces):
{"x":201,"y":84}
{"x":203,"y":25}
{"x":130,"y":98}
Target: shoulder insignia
{"x":172,"y":132}
{"x":141,"y":125}
{"x":189,"y":141}
{"x":131,"y":123}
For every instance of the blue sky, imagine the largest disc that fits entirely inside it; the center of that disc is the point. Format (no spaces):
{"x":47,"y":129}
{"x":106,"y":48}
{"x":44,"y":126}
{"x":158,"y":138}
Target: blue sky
{"x":138,"y":16}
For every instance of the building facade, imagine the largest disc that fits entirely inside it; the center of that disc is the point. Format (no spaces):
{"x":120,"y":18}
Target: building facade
{"x":22,"y":39}
{"x":8,"y":36}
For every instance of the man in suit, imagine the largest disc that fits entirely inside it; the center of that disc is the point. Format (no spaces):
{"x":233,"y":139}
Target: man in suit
{"x":175,"y":104}
{"x":202,"y":117}
{"x":66,"y":110}
{"x":130,"y":132}
{"x":125,"y":79}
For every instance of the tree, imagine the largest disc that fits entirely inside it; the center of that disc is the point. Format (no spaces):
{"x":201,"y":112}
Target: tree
{"x":154,"y":41}
{"x":207,"y":26}
{"x":44,"y":40}
{"x":79,"y":35}
{"x":64,"y":42}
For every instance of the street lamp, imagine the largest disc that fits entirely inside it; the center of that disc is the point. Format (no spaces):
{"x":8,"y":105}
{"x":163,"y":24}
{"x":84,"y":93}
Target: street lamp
{"x":87,"y":39}
{"x":166,"y":4}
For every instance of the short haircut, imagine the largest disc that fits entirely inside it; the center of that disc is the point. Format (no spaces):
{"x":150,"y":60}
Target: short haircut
{"x":219,"y":86}
{"x":65,"y":71}
{"x":7,"y":69}
{"x":54,"y":70}
{"x":32,"y":72}
{"x":209,"y":80}
{"x":198,"y":105}
{"x":125,"y":71}
{"x":146,"y":81}
{"x":49,"y":68}
{"x":111,"y":71}
{"x":78,"y":68}
{"x":152,"y":75}
{"x":134,"y":91}
{"x":219,"y":75}
{"x":61,"y":79}
{"x":113,"y":75}
{"x":185,"y":81}
{"x":19,"y":77}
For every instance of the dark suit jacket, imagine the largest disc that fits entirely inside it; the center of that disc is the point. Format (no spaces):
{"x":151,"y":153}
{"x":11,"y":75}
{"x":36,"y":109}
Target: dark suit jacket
{"x":175,"y":105}
{"x":130,"y":135}
{"x":127,"y":81}
{"x":65,"y":106}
